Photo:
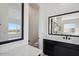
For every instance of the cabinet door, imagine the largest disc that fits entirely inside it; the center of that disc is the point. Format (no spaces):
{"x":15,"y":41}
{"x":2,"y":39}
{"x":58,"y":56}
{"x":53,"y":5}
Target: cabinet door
{"x":59,"y":51}
{"x":48,"y":47}
{"x":72,"y":52}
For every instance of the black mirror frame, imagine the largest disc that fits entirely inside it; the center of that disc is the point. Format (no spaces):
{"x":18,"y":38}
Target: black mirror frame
{"x":51,"y":24}
{"x":22,"y":28}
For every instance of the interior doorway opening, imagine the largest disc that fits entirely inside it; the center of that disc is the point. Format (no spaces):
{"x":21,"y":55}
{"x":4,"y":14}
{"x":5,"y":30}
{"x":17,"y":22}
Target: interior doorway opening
{"x":33,"y":24}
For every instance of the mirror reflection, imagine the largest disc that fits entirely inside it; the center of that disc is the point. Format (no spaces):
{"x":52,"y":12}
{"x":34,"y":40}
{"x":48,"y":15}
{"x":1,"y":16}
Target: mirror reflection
{"x":65,"y":24}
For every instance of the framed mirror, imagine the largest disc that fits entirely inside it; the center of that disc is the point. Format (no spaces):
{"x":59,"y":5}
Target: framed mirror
{"x":66,"y":24}
{"x":11,"y":22}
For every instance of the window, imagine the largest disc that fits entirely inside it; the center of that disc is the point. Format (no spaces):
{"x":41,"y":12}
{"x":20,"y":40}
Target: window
{"x":69,"y":28}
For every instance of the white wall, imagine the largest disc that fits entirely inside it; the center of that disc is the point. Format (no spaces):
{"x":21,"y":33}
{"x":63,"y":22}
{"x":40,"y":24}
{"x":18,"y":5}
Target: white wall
{"x":47,"y":10}
{"x":12,"y":45}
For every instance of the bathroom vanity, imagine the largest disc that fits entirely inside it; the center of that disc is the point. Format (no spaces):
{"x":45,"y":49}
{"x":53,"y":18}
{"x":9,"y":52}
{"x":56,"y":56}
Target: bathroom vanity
{"x":57,"y":48}
{"x":65,"y":28}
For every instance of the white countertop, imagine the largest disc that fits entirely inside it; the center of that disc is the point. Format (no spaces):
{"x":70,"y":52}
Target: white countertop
{"x":25,"y":50}
{"x":73,"y":40}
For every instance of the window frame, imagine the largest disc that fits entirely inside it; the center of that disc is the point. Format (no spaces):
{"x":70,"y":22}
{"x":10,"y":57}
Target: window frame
{"x":22,"y":28}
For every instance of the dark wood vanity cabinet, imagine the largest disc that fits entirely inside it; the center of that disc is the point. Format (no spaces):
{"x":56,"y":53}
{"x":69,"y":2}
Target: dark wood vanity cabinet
{"x":56,"y":48}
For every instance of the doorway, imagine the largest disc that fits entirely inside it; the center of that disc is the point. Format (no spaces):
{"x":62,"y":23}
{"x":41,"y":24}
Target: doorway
{"x":33,"y":24}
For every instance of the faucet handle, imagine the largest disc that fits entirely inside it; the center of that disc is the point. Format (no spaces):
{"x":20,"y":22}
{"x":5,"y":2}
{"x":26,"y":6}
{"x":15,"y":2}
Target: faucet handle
{"x":64,"y":38}
{"x":69,"y":38}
